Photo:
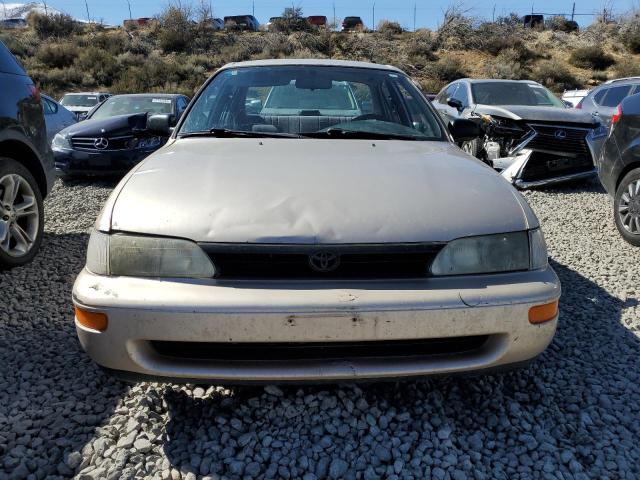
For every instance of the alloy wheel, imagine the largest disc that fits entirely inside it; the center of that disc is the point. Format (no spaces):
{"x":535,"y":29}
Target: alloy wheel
{"x":19,"y":216}
{"x":629,"y":208}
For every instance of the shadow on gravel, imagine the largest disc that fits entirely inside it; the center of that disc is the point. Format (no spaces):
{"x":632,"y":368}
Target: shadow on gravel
{"x":107,"y":181}
{"x":52,"y":396}
{"x":573,"y":410}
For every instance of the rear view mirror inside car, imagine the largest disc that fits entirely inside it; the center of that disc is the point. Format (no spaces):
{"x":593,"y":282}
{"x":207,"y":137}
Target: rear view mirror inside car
{"x":316,"y":82}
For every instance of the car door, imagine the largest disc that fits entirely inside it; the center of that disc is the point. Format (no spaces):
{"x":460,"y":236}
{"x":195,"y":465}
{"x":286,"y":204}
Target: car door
{"x":607,"y":104}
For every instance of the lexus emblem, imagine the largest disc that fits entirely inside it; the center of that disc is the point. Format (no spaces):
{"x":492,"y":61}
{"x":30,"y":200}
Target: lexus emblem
{"x":324,"y":262}
{"x":560,"y":134}
{"x":101,"y":143}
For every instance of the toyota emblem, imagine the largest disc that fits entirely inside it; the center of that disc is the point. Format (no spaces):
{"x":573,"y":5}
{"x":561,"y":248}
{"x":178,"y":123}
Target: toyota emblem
{"x":560,"y":134}
{"x":324,"y":262}
{"x":101,"y":143}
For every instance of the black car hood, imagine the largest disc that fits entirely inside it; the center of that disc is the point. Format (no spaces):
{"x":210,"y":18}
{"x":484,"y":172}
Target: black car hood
{"x":538,"y":114}
{"x":119,"y":125}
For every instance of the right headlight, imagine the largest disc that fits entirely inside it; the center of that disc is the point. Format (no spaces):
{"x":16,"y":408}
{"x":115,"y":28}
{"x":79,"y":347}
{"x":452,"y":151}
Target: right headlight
{"x":506,"y":252}
{"x":141,"y":256}
{"x":60,"y":142}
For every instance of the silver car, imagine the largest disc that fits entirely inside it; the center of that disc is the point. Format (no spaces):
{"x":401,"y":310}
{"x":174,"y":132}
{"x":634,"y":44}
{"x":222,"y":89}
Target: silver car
{"x":299,"y":246}
{"x":56,"y":117}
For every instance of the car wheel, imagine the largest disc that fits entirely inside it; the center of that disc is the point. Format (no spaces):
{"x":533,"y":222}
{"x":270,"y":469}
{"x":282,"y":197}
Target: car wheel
{"x":627,"y":207}
{"x":472,"y":147}
{"x":21,"y":214}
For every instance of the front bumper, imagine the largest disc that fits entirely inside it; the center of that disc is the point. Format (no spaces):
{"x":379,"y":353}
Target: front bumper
{"x":79,"y":162}
{"x":143,"y":311}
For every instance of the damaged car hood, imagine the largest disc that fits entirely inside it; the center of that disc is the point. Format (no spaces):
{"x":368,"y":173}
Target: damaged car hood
{"x":309,"y":191}
{"x":538,"y":114}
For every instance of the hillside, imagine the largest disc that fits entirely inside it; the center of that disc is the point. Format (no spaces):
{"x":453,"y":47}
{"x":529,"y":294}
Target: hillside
{"x":177,"y":55}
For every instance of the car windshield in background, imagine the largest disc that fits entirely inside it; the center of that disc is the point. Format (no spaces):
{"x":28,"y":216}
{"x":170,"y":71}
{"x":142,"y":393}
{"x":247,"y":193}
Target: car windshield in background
{"x":320,"y":102}
{"x":512,"y":93}
{"x":127,"y":105}
{"x":79,"y":100}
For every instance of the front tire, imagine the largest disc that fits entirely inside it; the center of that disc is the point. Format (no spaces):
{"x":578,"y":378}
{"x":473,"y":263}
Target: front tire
{"x":626,"y":208}
{"x":21,"y":214}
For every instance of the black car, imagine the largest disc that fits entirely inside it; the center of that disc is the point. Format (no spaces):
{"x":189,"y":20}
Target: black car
{"x":114,"y":137}
{"x":619,"y":168}
{"x":242,"y":22}
{"x":351,"y":24}
{"x":26,"y":164}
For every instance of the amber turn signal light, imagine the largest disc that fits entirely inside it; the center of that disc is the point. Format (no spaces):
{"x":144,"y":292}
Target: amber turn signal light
{"x":93,"y":320}
{"x":543,"y":313}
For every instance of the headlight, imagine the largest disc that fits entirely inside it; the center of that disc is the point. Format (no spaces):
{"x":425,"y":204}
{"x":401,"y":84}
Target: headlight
{"x":137,"y":256}
{"x":151,"y":142}
{"x":507,"y":252}
{"x":60,"y":142}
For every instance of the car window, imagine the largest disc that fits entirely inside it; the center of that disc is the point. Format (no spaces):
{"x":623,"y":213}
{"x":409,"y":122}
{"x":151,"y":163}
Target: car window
{"x":462,"y":95}
{"x":78,"y":100}
{"x":128,"y":104}
{"x":598,"y":96}
{"x":304,"y":100}
{"x":615,"y":95}
{"x":448,"y":92}
{"x":50,"y":108}
{"x":513,"y":93}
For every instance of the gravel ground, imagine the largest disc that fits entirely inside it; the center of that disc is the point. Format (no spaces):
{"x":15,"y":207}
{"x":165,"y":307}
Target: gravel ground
{"x":572,"y":414}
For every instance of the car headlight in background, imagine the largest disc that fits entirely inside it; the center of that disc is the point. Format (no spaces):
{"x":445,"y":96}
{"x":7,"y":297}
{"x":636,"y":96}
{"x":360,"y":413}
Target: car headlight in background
{"x":150,"y":142}
{"x":61,"y":142}
{"x":139,"y":256}
{"x":507,"y":252}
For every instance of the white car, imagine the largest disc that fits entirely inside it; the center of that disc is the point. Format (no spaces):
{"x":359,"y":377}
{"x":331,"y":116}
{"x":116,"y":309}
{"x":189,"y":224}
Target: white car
{"x":294,"y":245}
{"x":82,"y":103}
{"x":574,"y":97}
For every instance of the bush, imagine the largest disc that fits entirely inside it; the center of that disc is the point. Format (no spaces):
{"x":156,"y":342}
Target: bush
{"x":389,"y":29}
{"x":553,"y":75}
{"x":99,"y":66}
{"x":627,"y":68}
{"x":509,"y":64}
{"x":175,"y":32}
{"x":57,"y":55}
{"x":561,"y":24}
{"x":593,"y":58}
{"x":447,"y":69}
{"x":291,"y":21}
{"x":630,"y":33}
{"x":421,"y":46}
{"x":456,"y":29}
{"x":58,"y":25}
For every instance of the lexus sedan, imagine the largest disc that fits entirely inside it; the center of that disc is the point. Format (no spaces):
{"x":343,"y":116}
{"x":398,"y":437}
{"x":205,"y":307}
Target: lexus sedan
{"x":318,"y":241}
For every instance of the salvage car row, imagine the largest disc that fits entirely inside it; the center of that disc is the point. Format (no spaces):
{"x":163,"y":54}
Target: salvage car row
{"x":242,"y":250}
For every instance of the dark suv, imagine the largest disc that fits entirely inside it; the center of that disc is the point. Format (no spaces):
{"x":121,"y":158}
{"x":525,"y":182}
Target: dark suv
{"x":619,"y":168}
{"x":26,"y":164}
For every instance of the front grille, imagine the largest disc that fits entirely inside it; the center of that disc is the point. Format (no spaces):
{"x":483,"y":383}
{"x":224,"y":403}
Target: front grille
{"x":114,"y":143}
{"x":574,"y":143}
{"x":543,"y":166}
{"x":293,"y":262}
{"x":318,"y":350}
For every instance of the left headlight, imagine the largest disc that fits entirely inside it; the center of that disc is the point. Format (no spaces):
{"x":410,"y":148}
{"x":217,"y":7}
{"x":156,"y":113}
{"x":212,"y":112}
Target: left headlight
{"x":60,"y":142}
{"x":506,"y":252}
{"x":138,"y":256}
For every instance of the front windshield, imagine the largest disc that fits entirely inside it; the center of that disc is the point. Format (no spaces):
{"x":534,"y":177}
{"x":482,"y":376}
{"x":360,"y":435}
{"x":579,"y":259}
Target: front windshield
{"x":311,"y":100}
{"x":513,"y":93}
{"x":74,"y":100}
{"x":127,"y":105}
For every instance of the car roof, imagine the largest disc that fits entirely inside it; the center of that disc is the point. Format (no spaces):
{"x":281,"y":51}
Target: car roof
{"x":87,"y":93}
{"x":150,"y":95}
{"x":497,"y":80}
{"x":622,"y":80}
{"x":311,"y":62}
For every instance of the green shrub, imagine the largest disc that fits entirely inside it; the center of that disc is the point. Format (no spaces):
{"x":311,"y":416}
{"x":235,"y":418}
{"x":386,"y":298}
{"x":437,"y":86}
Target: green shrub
{"x":509,"y":64}
{"x":175,"y":31}
{"x":559,"y":23}
{"x":627,"y":68}
{"x":555,"y":76}
{"x":591,"y":57}
{"x":98,"y":65}
{"x":389,"y":29}
{"x":447,"y":69}
{"x":58,"y":25}
{"x":57,"y":55}
{"x":421,"y":46}
{"x":630,"y":33}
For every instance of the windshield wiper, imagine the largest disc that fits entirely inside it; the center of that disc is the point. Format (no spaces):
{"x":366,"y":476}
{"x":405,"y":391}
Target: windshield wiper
{"x":355,"y":134}
{"x":228,"y":133}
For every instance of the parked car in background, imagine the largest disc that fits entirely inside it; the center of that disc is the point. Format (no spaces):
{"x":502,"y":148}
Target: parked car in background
{"x":528,"y":133}
{"x":10,"y":23}
{"x":352,"y":24}
{"x":82,"y":103}
{"x":217,"y":24}
{"x":26,"y":164}
{"x":366,"y":246}
{"x":619,"y":168}
{"x":317,"y":20}
{"x":574,"y":97}
{"x":139,"y":22}
{"x":242,"y":22}
{"x":604,"y":99}
{"x":114,"y":137}
{"x":273,"y":21}
{"x":56,"y":117}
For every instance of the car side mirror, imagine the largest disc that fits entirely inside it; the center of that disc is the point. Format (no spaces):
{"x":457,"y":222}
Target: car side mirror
{"x":463,"y":130}
{"x":160,"y":124}
{"x":455,"y":103}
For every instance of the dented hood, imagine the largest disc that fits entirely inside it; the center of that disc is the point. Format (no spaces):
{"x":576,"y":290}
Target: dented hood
{"x":539,"y":114}
{"x":316,"y":191}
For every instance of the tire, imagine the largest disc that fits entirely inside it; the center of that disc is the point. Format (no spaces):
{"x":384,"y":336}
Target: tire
{"x":472,"y":147}
{"x":21,"y":230}
{"x":626,"y":207}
